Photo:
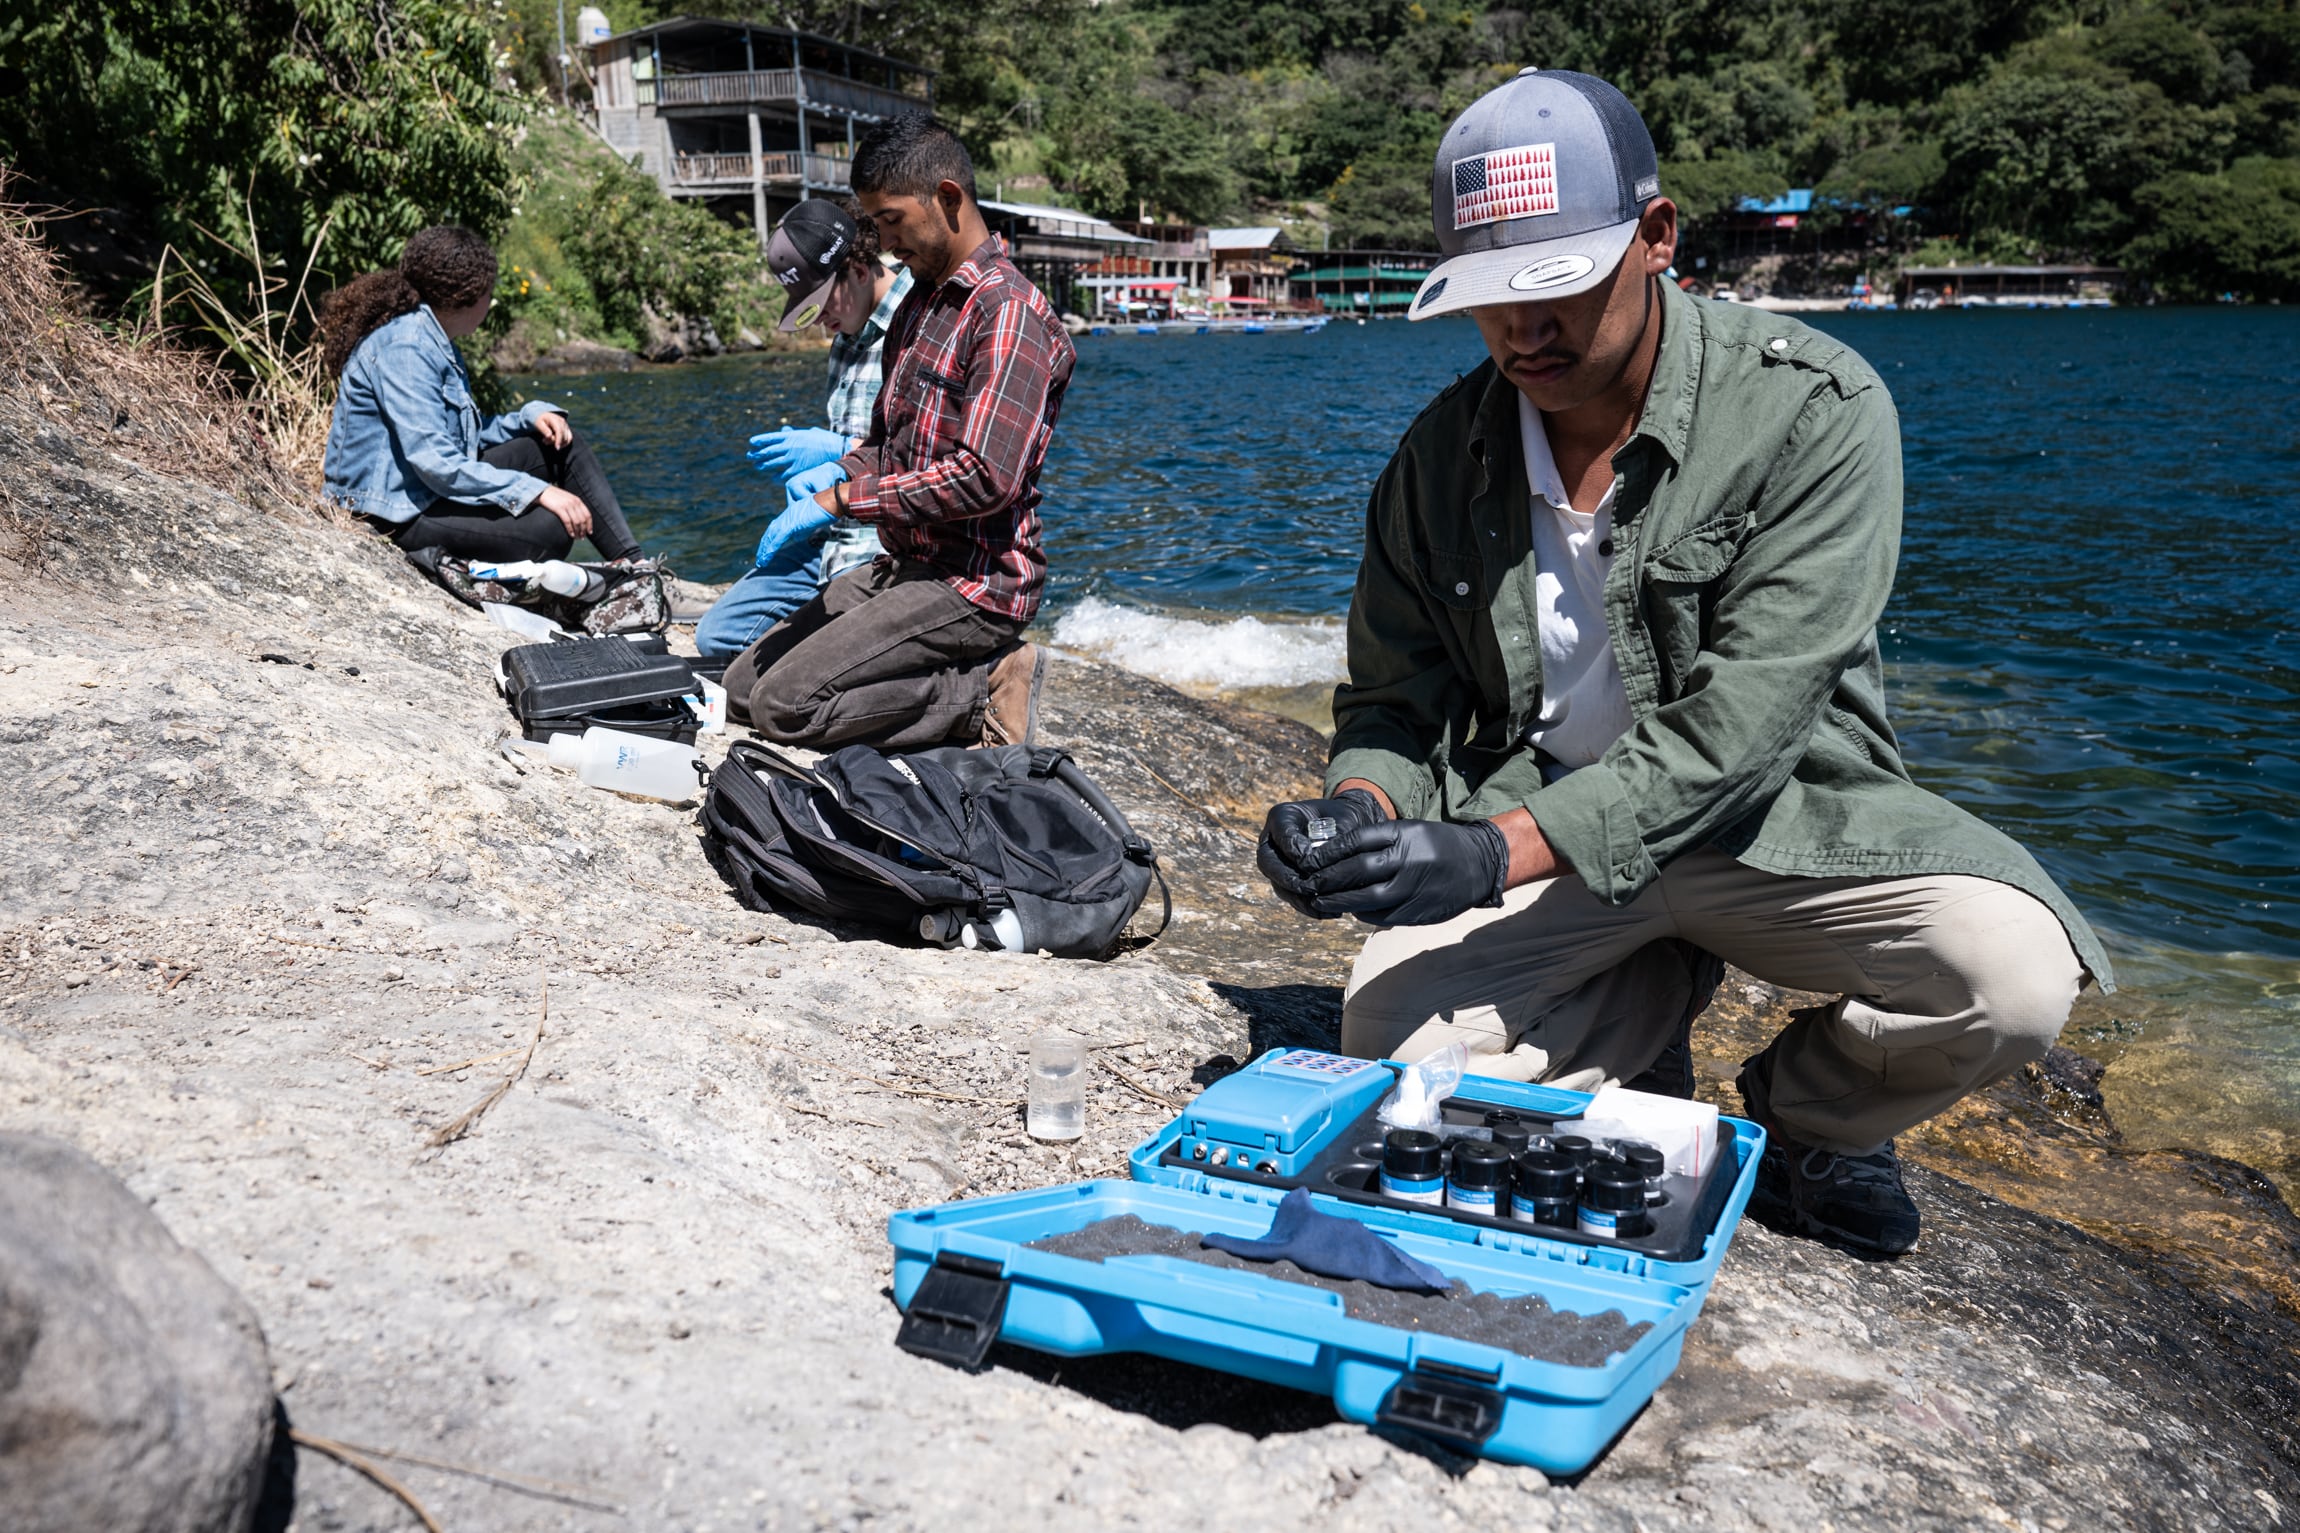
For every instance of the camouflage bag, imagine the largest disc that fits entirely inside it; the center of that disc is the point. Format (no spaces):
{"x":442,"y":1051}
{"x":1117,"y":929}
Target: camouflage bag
{"x":635,"y":598}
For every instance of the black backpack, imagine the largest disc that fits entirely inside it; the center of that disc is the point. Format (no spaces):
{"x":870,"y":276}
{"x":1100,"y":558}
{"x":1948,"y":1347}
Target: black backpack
{"x":951,"y":844}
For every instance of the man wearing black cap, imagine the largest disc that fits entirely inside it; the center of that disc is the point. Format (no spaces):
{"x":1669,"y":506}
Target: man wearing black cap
{"x":832,"y":276}
{"x":1615,"y":700}
{"x":925,"y":644}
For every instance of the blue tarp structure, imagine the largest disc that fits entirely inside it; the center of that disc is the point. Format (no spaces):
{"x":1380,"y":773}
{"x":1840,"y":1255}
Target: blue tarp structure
{"x":1799,"y":200}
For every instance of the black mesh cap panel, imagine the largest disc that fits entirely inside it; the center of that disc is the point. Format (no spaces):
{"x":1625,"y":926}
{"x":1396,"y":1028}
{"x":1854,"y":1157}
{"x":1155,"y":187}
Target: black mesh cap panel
{"x":1636,"y":166}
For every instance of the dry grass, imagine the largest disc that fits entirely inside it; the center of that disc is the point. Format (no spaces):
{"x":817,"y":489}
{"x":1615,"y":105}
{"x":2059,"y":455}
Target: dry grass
{"x":138,"y":391}
{"x":272,"y":339}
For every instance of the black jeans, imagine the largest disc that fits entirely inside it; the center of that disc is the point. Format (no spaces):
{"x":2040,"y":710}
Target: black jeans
{"x":886,"y":655}
{"x":471,"y":531}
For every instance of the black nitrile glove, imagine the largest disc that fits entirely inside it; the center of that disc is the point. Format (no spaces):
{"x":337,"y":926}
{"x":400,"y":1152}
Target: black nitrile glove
{"x":1409,"y":872}
{"x":1286,"y":840}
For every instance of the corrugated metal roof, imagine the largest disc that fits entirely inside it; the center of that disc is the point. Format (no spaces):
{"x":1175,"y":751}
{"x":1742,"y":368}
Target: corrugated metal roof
{"x":1082,"y":224}
{"x":681,"y":23}
{"x":1242,"y":239}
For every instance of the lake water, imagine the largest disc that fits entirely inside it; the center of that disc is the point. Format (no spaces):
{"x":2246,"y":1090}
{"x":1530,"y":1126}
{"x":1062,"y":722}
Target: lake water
{"x":2093,"y":641}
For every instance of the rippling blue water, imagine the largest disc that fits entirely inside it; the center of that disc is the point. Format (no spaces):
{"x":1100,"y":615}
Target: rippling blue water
{"x":2093,"y":641}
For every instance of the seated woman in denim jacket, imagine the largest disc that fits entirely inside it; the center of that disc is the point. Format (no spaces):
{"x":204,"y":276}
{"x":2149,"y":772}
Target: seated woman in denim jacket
{"x":409,"y":450}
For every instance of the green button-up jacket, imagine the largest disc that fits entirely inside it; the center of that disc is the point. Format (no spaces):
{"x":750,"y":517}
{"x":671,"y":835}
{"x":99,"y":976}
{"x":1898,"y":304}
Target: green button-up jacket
{"x":1756,"y":523}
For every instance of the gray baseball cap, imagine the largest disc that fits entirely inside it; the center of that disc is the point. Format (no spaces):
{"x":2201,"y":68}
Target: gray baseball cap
{"x":1537,"y":191}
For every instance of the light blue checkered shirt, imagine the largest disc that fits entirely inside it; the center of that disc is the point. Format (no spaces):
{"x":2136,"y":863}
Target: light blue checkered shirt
{"x":855,"y":370}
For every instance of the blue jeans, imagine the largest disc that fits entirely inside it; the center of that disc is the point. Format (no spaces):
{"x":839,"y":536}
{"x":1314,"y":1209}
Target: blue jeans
{"x":760,"y":600}
{"x":773,"y":591}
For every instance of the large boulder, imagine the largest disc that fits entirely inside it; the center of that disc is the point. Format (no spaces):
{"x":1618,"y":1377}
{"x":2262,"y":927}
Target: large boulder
{"x":135,"y":1389}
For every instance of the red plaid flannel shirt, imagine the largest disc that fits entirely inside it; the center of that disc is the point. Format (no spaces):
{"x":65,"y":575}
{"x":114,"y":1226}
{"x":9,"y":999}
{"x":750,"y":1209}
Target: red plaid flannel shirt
{"x":975,"y":371}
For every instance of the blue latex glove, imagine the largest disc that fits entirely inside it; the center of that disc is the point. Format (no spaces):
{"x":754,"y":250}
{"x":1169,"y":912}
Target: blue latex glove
{"x":802,"y":517}
{"x":807,"y":483}
{"x":794,"y":450}
{"x":802,"y":521}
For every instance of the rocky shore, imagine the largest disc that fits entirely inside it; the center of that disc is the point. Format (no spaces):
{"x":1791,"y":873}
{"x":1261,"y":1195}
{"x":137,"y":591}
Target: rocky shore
{"x":276,"y":914}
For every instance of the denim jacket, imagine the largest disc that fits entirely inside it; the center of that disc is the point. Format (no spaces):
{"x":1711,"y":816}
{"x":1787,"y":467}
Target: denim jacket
{"x":406,"y":432}
{"x":1758,"y":521}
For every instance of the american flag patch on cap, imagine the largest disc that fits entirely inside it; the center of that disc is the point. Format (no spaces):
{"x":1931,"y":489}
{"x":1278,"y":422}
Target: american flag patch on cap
{"x":1504,"y":183}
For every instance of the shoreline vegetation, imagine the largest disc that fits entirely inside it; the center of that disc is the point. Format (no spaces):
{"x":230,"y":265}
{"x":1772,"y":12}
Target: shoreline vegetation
{"x":275,"y":929}
{"x":247,"y":141}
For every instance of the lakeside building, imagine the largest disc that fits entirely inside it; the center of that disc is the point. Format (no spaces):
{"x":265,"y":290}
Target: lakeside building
{"x":1250,"y":266}
{"x":1056,"y":247}
{"x":732,"y":112}
{"x":1795,"y":223}
{"x":1169,"y":271}
{"x":1363,"y":282}
{"x":2010,"y":287}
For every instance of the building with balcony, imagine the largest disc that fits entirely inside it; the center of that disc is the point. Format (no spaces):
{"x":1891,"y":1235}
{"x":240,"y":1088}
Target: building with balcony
{"x":1057,"y":247}
{"x":1180,"y":253}
{"x":730,"y":111}
{"x":1250,"y":266}
{"x":1361,"y":282}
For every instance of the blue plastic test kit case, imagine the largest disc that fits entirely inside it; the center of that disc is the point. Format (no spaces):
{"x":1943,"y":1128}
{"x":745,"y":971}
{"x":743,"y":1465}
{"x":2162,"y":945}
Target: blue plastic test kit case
{"x":965,"y":1274}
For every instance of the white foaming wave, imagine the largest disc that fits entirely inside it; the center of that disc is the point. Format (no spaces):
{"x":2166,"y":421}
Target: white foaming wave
{"x":1190,"y":652}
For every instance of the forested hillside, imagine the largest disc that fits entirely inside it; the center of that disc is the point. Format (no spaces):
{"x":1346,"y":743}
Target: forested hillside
{"x":2166,"y":135}
{"x":2161,"y":133}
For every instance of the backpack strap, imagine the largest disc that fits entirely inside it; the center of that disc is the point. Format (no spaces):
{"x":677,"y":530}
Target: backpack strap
{"x":1065,"y":771}
{"x":1165,"y":901}
{"x":1062,"y":769}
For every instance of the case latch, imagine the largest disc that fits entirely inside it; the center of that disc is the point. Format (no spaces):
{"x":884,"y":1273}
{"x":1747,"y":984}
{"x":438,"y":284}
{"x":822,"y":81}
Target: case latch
{"x":956,"y":1312}
{"x":1445,"y":1404}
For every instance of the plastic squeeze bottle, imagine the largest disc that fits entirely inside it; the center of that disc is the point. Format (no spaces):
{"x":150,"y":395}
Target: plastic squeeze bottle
{"x":627,"y":763}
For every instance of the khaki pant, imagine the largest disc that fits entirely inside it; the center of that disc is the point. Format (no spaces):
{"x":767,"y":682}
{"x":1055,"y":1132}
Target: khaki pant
{"x":1949,"y":983}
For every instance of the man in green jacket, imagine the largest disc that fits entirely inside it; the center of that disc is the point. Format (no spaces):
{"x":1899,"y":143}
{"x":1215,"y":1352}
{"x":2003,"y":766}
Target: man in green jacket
{"x":1615,"y":696}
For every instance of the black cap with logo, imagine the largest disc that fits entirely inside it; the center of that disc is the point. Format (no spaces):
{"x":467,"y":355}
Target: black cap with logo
{"x":809,"y":247}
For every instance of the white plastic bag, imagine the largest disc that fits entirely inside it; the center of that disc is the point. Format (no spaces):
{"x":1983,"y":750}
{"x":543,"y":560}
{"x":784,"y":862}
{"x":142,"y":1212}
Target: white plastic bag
{"x":1422,"y":1086}
{"x":1684,"y":1132}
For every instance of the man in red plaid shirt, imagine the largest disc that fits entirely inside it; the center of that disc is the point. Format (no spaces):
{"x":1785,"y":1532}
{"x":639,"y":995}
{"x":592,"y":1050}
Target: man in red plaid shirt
{"x":924,"y":645}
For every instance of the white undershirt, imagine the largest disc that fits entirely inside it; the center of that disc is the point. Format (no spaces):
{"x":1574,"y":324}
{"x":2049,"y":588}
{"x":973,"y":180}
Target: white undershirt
{"x":1584,"y":707}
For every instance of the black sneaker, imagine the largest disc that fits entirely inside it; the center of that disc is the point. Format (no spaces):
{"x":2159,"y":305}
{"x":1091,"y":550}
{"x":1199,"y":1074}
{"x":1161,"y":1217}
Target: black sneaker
{"x":1857,"y":1200}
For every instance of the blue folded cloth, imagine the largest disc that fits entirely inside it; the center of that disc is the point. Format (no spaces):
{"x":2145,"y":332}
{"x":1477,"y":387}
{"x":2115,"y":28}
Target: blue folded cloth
{"x":1332,"y":1247}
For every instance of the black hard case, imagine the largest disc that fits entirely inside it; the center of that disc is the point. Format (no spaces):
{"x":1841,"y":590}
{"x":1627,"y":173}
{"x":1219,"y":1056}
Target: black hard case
{"x":568,"y":686}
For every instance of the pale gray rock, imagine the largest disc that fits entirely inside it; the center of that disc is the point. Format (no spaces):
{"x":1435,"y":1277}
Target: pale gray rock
{"x":655,"y":1274}
{"x":135,"y":1392}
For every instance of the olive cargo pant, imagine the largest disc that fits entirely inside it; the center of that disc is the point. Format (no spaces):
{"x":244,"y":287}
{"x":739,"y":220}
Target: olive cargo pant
{"x":1949,"y":983}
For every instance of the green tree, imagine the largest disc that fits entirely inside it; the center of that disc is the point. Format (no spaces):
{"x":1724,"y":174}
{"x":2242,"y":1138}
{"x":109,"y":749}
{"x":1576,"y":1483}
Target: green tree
{"x":642,"y":252}
{"x":1383,"y":200}
{"x":371,"y":117}
{"x":1915,"y":50}
{"x":2205,"y":235}
{"x":2029,"y":154}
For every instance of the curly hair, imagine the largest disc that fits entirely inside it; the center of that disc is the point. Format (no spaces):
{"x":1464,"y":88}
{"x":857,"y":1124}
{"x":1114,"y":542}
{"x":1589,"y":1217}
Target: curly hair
{"x":863,"y":254}
{"x":446,"y":266}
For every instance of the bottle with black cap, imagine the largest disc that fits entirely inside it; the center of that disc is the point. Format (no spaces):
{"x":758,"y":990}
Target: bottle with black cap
{"x":1548,"y":1185}
{"x":1613,"y":1200}
{"x":1478,"y":1182}
{"x":1413,"y":1166}
{"x":1647,"y":1161}
{"x":1509,"y":1131}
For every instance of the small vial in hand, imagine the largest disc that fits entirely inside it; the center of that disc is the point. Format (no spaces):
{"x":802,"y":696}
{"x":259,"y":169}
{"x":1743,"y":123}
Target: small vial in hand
{"x":1322,"y":830}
